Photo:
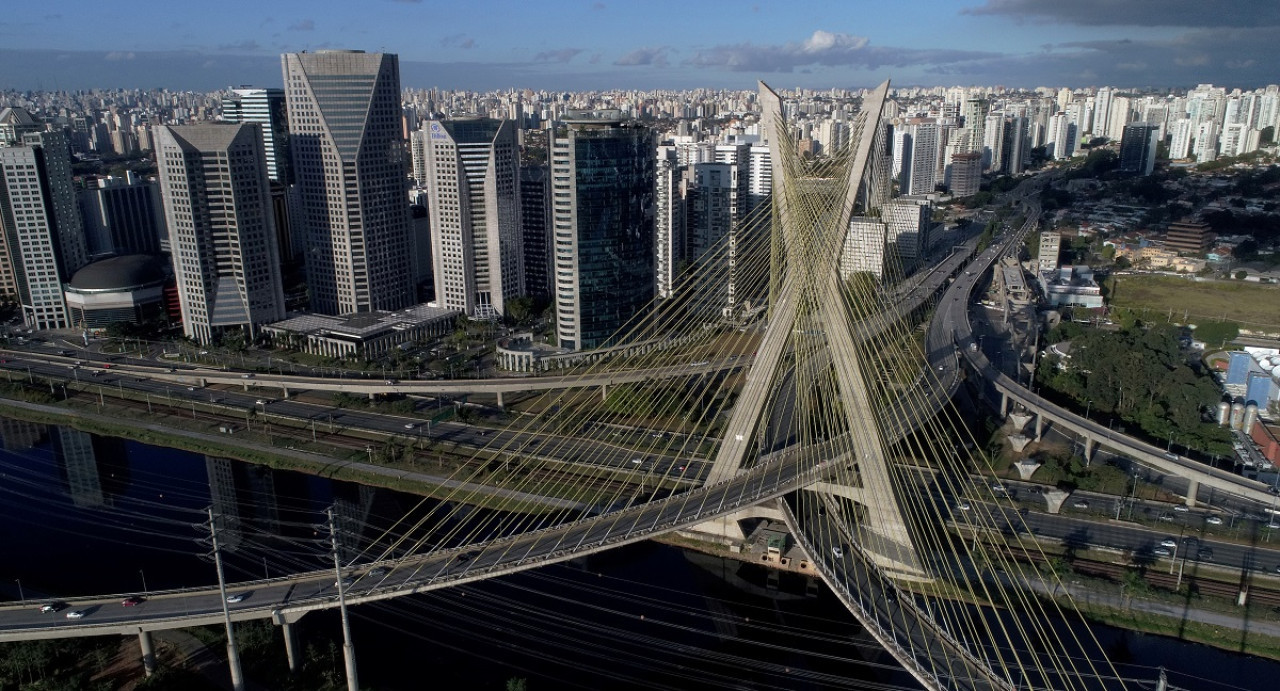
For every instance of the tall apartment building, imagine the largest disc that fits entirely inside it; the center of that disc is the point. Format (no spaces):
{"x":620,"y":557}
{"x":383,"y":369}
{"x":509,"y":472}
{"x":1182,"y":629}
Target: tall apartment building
{"x":993,"y":143}
{"x":864,"y":248}
{"x":670,"y":246}
{"x":267,"y":108}
{"x":602,"y":183}
{"x":1060,"y":137}
{"x":123,"y":216}
{"x":344,"y":124}
{"x":1016,"y":145}
{"x":222,"y":235}
{"x":473,"y":183}
{"x":1050,"y":245}
{"x":43,"y":235}
{"x":975,"y":121}
{"x":906,"y":220}
{"x":1182,"y":132}
{"x":1138,"y":148}
{"x":535,"y":229}
{"x":921,"y":170}
{"x":965,"y":174}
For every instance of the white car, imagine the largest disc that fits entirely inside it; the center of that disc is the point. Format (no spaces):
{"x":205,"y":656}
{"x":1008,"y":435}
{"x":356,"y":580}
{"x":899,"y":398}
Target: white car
{"x":1160,"y":552}
{"x":1169,"y":542}
{"x":76,"y":614}
{"x":409,"y":425}
{"x":837,"y":552}
{"x":238,"y":597}
{"x":963,"y":505}
{"x":1213,"y":520}
{"x":1181,"y":508}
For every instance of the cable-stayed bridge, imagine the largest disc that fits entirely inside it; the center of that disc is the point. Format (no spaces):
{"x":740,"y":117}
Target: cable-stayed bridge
{"x":835,"y":394}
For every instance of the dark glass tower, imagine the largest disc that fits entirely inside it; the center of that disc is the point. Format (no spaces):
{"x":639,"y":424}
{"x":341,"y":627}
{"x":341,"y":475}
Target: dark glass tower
{"x":602,"y":187}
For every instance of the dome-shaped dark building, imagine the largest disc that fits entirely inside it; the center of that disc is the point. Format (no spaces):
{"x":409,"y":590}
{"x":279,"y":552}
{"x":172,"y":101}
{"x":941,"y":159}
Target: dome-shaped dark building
{"x":120,"y":289}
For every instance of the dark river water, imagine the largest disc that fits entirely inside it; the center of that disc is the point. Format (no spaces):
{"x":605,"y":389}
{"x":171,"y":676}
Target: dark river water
{"x":82,"y":515}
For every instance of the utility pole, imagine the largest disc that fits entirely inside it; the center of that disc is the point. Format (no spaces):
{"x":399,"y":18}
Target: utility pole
{"x":233,"y":655}
{"x":348,"y":649}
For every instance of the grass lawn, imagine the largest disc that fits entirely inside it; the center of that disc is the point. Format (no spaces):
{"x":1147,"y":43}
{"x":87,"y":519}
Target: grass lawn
{"x":1253,"y":305}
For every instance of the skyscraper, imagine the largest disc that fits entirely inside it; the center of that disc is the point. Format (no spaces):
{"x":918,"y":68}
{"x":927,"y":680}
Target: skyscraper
{"x":43,"y":235}
{"x":535,"y":229}
{"x":122,"y":216}
{"x":344,"y":124}
{"x":473,"y":185}
{"x":923,"y":168}
{"x":602,"y":183}
{"x":217,"y":204}
{"x":1138,"y":148}
{"x":267,"y":108}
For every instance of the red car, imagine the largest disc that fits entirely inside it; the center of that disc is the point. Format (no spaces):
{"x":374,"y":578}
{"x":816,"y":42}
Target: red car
{"x":133,"y":601}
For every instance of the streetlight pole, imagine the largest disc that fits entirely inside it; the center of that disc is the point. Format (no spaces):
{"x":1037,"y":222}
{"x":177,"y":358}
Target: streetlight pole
{"x":348,"y":648}
{"x":22,"y":598}
{"x":144,"y":581}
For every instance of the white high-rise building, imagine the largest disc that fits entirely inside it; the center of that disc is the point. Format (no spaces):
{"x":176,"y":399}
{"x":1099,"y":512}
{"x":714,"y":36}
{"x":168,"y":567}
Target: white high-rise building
{"x":40,"y":220}
{"x":1060,"y":137}
{"x":1206,"y":146}
{"x":217,"y":205}
{"x":864,"y":246}
{"x":1234,"y":139}
{"x":267,"y":108}
{"x":1102,"y":111}
{"x":907,"y":221}
{"x":473,"y":178}
{"x":668,"y":221}
{"x":993,"y":143}
{"x":922,"y":169}
{"x":345,"y":132}
{"x":1181,"y":133}
{"x":1118,"y":118}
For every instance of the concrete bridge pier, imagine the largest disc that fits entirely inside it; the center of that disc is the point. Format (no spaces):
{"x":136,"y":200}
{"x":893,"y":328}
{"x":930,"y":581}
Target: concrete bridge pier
{"x":604,"y":392}
{"x":148,"y":652}
{"x":501,"y":404}
{"x":292,"y":649}
{"x":284,"y":393}
{"x":1089,"y":446}
{"x":1004,"y":404}
{"x":1193,"y":487}
{"x":1039,"y":426}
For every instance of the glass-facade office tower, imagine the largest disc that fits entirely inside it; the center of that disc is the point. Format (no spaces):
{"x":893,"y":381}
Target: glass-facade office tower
{"x":267,"y":108}
{"x":43,"y":236}
{"x":348,"y":156}
{"x":222,"y":234}
{"x":473,"y":183}
{"x":123,"y":216}
{"x":602,"y":187}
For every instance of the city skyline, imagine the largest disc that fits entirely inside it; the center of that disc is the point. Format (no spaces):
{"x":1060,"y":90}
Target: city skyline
{"x":584,"y":45}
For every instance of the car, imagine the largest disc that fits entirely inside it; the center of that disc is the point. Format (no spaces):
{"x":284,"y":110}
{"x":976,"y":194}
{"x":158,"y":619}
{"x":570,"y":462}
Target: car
{"x":344,"y":582}
{"x":1166,"y":517}
{"x":106,"y":365}
{"x":1213,"y":520}
{"x":1169,"y":542}
{"x":133,"y":601}
{"x":1273,"y":525}
{"x":1278,"y":569}
{"x":837,"y":552}
{"x":1205,"y":554}
{"x":51,"y":607}
{"x":248,"y":375}
{"x":963,"y":505}
{"x":1161,"y":552}
{"x":238,"y":597}
{"x":390,"y":382}
{"x":637,"y":461}
{"x":1082,"y":504}
{"x":1180,"y":508}
{"x":76,"y":614}
{"x":999,"y":488}
{"x":378,"y":572}
{"x":409,"y":425}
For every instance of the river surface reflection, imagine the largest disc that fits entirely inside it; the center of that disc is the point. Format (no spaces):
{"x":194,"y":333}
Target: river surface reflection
{"x":82,"y":514}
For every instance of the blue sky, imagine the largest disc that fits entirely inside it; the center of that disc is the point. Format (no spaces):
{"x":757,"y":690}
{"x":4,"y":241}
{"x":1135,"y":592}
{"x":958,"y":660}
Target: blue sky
{"x":647,"y":44}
